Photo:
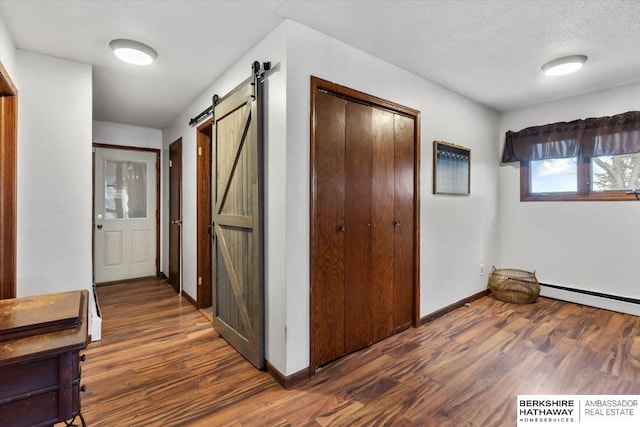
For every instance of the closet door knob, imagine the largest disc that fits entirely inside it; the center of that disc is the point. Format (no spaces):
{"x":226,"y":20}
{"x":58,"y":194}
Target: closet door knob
{"x":396,"y":223}
{"x":342,"y":228}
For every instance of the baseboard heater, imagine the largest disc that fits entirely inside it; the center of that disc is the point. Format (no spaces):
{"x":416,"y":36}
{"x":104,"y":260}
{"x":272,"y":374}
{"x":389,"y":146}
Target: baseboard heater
{"x":96,"y":321}
{"x":593,"y":293}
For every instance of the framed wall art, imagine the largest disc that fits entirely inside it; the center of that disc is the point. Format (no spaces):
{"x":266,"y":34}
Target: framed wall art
{"x":451,"y":169}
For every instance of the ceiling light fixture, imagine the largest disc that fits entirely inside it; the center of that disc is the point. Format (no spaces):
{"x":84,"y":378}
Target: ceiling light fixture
{"x":564,"y":65}
{"x":133,"y":52}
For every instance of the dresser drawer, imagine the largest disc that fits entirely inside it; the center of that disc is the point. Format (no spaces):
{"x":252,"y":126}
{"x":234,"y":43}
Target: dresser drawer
{"x":40,"y":392}
{"x":39,"y":410}
{"x":32,"y":376}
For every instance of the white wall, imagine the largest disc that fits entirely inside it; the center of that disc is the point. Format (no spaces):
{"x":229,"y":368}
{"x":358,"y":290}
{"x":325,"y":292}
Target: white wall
{"x":585,"y":245}
{"x":272,"y":48}
{"x":54,"y":174}
{"x":126,"y":135}
{"x":7,"y":50}
{"x":457,"y":233}
{"x":133,"y":136}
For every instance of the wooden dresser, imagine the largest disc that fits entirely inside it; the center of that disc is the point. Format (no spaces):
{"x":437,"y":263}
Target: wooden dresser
{"x":40,"y":342}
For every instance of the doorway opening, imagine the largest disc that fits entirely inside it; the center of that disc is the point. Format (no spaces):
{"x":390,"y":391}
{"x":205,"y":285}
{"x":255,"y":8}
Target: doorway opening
{"x":126,"y":213}
{"x":203,"y":173}
{"x":8,"y":187}
{"x":175,"y":215}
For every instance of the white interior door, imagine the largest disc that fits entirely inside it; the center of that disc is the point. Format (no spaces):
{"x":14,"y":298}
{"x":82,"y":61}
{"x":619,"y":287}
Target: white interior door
{"x":125,"y":214}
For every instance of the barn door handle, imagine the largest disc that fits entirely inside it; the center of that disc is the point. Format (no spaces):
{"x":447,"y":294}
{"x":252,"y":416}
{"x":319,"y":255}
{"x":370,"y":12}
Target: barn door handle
{"x":342,"y":228}
{"x":211,"y":231}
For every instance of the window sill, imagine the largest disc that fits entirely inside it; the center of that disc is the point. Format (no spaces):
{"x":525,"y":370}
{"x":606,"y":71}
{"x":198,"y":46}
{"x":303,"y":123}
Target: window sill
{"x":609,"y":196}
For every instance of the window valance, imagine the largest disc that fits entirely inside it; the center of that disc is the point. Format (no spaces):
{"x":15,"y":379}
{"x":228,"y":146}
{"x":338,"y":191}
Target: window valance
{"x":600,"y":136}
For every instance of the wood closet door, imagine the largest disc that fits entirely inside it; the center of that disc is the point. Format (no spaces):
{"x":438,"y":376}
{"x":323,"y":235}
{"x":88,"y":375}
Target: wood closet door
{"x":358,"y":297}
{"x":405,"y":245}
{"x":363,"y":225}
{"x":328,"y":228}
{"x":382,"y":225}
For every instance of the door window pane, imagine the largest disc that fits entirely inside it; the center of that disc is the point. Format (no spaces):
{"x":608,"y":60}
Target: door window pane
{"x":610,"y":173}
{"x":125,"y":189}
{"x":554,"y":175}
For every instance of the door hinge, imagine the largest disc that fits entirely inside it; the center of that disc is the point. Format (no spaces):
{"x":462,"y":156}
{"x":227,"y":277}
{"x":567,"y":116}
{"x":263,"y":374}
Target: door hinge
{"x":170,"y":163}
{"x":199,"y":151}
{"x":199,"y":281}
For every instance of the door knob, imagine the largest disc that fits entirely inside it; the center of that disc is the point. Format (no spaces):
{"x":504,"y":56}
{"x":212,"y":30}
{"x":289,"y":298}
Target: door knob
{"x":342,"y":228}
{"x":396,"y":223}
{"x":99,"y":226}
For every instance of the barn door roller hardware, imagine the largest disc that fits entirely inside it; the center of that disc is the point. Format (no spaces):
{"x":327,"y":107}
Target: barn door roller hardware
{"x":258,"y":72}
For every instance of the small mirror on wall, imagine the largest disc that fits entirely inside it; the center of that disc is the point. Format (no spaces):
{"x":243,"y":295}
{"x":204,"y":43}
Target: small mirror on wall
{"x":451,"y":169}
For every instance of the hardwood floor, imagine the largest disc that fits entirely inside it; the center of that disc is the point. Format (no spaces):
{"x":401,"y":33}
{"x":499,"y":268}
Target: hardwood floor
{"x":160,"y":363}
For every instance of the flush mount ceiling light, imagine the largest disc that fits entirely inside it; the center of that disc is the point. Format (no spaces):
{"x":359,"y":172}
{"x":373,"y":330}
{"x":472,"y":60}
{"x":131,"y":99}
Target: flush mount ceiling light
{"x":133,"y":52}
{"x":564,"y":65}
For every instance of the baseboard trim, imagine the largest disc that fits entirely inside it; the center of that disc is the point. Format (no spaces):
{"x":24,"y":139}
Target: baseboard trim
{"x":117,"y":282}
{"x":448,"y":309}
{"x":593,"y":293}
{"x":289,"y":380}
{"x":206,"y":315}
{"x":189,"y":298}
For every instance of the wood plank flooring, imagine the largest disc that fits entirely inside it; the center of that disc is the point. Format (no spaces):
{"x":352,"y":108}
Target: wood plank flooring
{"x":160,"y":363}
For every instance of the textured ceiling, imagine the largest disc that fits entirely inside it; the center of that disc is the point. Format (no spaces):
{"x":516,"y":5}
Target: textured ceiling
{"x":490,"y":51}
{"x":196,"y":42}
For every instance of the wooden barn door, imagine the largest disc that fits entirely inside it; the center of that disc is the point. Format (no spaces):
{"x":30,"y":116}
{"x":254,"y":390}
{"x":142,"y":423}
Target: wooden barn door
{"x":238,"y":295}
{"x":364,"y":229}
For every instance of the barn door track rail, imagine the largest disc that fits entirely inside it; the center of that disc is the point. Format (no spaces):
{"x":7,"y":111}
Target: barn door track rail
{"x":258,"y":72}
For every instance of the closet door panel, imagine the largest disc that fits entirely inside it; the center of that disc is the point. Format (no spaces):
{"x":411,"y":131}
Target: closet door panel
{"x":328,"y":264}
{"x":382,"y":230}
{"x":358,"y":221}
{"x":404,"y":230}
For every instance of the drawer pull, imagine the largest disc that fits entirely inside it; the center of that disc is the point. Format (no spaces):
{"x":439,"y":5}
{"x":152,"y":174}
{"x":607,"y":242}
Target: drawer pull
{"x":83,"y":388}
{"x":83,"y":357}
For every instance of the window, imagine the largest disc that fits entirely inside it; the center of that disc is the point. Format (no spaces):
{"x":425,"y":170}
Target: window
{"x":554,"y":176}
{"x":605,"y":178}
{"x":590,"y":159}
{"x":125,"y":189}
{"x":611,"y":173}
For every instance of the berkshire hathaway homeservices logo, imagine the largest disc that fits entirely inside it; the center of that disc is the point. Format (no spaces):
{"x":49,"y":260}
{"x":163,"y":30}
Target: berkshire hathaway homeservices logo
{"x":579,"y":410}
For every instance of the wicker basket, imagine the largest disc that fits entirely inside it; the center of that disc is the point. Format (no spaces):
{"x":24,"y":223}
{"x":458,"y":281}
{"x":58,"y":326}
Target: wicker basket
{"x":516,"y":286}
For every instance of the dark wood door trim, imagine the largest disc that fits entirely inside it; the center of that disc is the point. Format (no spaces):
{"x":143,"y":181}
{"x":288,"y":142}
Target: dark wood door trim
{"x":8,"y":184}
{"x":319,"y":85}
{"x":203,"y":211}
{"x":175,"y":213}
{"x":158,"y":183}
